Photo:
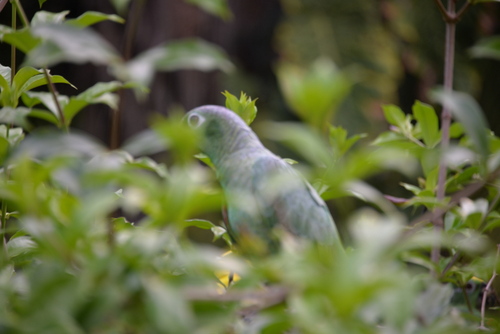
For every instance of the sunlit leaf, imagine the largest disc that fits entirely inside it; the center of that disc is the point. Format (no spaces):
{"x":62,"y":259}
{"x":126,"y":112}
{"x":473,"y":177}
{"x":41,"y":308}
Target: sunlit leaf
{"x":244,"y":106}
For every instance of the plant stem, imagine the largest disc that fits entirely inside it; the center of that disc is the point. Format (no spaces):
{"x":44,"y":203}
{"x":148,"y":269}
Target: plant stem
{"x":449,"y":60}
{"x":12,"y":47}
{"x":53,"y":92}
{"x":2,"y":4}
{"x":50,"y":84}
{"x":22,"y":14}
{"x":487,"y":290}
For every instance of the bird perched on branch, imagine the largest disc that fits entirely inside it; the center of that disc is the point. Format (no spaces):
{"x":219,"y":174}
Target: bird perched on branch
{"x":263,"y":192}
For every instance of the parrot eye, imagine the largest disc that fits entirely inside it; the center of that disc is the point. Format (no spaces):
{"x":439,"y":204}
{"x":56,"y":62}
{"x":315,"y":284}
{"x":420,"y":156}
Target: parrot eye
{"x":195,"y":121}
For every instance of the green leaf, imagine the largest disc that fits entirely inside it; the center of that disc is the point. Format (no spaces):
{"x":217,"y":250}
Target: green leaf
{"x":200,"y":223}
{"x":394,"y":115}
{"x":313,"y":93}
{"x":487,"y":48}
{"x":22,"y":39}
{"x":468,"y":112}
{"x":216,"y":7}
{"x":100,"y":93}
{"x":45,"y":115}
{"x":244,"y":107}
{"x":91,"y":17}
{"x":67,"y":43}
{"x":20,"y":245}
{"x":429,"y":123}
{"x":339,"y":141}
{"x":28,"y":78}
{"x":120,"y":5}
{"x":301,"y":138}
{"x":144,"y":143}
{"x":41,"y":2}
{"x":16,"y":116}
{"x":42,"y":17}
{"x":205,"y":159}
{"x":456,"y":130}
{"x":194,"y":54}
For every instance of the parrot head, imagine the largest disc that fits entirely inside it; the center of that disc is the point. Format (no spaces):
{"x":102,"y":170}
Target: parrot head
{"x":222,"y":131}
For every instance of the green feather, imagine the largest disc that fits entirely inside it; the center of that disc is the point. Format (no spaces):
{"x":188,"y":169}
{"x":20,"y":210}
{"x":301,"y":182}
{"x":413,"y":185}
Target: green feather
{"x":263,"y":192}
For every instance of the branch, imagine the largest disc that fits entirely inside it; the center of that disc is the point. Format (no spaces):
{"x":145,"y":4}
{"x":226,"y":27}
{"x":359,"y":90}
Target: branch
{"x":468,"y":191}
{"x":2,"y":4}
{"x":462,"y":10}
{"x":444,"y":12}
{"x":487,"y":290}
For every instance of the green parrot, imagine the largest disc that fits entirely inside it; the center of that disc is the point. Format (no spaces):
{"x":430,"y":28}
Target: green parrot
{"x":263,"y":192}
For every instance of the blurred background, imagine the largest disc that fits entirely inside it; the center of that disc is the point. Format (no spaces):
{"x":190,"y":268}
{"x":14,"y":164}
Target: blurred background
{"x":391,"y":51}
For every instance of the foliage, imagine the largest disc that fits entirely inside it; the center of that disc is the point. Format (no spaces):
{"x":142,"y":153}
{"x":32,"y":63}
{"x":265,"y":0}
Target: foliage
{"x":97,"y":240}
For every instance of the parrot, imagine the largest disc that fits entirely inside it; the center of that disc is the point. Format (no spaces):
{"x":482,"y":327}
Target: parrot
{"x":263,"y":192}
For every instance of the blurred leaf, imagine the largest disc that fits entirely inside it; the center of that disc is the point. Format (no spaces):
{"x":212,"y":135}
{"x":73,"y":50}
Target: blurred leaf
{"x":178,"y":136}
{"x":394,"y":115}
{"x":43,"y":144}
{"x":429,"y":124}
{"x":244,"y":107}
{"x":469,"y":113}
{"x":41,"y":2}
{"x":67,"y":43}
{"x":13,"y":135}
{"x":216,"y":7}
{"x":16,"y":116}
{"x":90,"y":18}
{"x":144,"y":143}
{"x":205,"y":159}
{"x":456,"y":130}
{"x":20,"y":245}
{"x":184,"y":54}
{"x":314,"y":93}
{"x":120,"y":5}
{"x":487,"y":48}
{"x":303,"y":139}
{"x":22,"y":39}
{"x":42,"y":17}
{"x":200,"y":223}
{"x":339,"y":141}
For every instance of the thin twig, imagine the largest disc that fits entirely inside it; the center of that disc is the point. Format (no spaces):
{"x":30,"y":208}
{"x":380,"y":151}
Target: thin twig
{"x":462,"y":11}
{"x":22,"y":14}
{"x":2,"y":4}
{"x":53,"y":92}
{"x":445,"y":114}
{"x":487,"y":290}
{"x":450,"y":264}
{"x":443,"y":11}
{"x":50,"y":84}
{"x":12,"y":47}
